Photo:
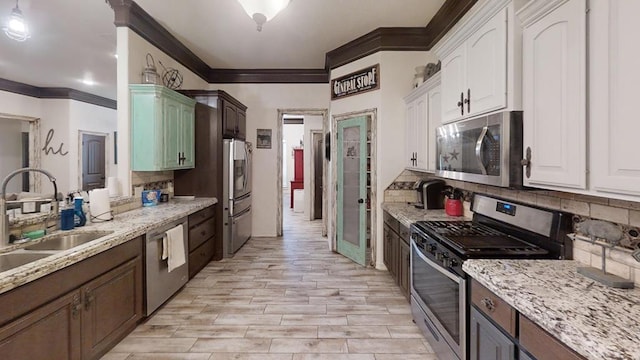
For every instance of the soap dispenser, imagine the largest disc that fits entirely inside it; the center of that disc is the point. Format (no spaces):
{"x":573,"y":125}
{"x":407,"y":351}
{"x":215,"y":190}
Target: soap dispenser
{"x":80,"y":218}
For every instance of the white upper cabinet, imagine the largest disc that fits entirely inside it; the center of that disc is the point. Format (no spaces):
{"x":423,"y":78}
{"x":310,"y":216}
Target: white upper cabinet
{"x":454,"y":71}
{"x":614,"y":76}
{"x":475,"y":71}
{"x":420,"y":125}
{"x":434,"y":115}
{"x":554,"y":93}
{"x":487,"y":67}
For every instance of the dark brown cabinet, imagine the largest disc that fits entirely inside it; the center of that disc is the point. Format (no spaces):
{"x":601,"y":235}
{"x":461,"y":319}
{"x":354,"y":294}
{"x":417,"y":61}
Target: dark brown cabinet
{"x":50,"y":332}
{"x":396,"y":252}
{"x":234,"y":120}
{"x":109,"y":305}
{"x":217,"y":115}
{"x":202,"y":239}
{"x":78,"y":312}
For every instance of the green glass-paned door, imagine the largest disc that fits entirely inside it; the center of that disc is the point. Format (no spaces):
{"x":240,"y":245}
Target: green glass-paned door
{"x":352,"y":188}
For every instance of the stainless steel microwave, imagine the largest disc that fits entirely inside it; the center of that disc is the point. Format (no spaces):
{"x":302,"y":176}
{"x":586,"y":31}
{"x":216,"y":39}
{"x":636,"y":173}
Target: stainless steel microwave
{"x":485,"y":150}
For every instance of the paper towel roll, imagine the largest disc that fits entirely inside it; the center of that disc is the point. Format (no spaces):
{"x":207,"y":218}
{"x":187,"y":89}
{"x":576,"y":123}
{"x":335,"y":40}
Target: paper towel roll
{"x":113,"y":185}
{"x":99,"y":205}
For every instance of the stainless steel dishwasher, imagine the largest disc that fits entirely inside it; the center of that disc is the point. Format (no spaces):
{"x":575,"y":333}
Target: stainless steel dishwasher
{"x":160,"y":283}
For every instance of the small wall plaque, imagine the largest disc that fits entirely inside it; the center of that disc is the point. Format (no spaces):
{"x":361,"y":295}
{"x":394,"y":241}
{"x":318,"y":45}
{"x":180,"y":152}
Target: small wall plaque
{"x":263,"y":139}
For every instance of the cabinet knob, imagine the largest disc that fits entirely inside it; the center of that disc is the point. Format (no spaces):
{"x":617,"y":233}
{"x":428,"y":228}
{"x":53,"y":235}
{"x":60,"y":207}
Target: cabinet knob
{"x":488,"y":304}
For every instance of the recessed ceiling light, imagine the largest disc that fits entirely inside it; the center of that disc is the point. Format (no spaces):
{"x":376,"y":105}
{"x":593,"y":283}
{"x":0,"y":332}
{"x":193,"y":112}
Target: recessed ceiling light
{"x":88,"y":82}
{"x":115,"y":56}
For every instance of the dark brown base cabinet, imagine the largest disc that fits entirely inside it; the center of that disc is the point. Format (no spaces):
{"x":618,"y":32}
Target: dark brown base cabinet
{"x":79,"y":312}
{"x":497,"y":331}
{"x":202,"y":239}
{"x":486,"y":340}
{"x":396,"y":252}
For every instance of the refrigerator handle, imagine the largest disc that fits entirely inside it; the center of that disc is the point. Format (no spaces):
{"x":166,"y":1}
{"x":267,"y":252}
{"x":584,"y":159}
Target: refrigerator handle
{"x":246,"y":167}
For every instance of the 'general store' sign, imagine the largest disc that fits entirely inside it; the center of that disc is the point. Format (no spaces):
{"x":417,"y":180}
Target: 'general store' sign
{"x":357,"y":82}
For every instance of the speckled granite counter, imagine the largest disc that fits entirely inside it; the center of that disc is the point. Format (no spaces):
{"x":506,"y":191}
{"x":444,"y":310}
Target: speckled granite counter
{"x":125,"y":227}
{"x":408,"y":214}
{"x":596,"y":321}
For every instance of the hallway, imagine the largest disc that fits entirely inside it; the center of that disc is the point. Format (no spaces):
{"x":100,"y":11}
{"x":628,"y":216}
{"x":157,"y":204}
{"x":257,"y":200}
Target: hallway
{"x":286,"y":298}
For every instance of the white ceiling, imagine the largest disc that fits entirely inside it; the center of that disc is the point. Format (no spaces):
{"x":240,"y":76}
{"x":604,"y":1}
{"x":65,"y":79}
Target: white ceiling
{"x":71,"y":38}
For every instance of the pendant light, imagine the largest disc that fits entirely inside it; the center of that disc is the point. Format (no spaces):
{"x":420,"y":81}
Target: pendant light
{"x":16,"y":28}
{"x":262,"y":11}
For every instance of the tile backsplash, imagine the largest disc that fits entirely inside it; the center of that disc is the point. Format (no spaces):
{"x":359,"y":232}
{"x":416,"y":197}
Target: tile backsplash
{"x":623,"y":214}
{"x":150,"y":179}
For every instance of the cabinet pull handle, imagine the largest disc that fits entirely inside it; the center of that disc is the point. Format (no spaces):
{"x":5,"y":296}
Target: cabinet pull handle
{"x":526,"y":162}
{"x":468,"y":101}
{"x":461,"y":103}
{"x":488,"y":304}
{"x":76,"y":305}
{"x":88,"y":299}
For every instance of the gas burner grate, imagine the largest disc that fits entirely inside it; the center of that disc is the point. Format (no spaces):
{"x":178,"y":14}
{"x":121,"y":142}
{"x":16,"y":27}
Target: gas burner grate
{"x":460,"y":228}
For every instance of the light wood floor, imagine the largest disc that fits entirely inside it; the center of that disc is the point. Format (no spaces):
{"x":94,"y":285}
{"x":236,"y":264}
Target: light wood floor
{"x":286,"y":298}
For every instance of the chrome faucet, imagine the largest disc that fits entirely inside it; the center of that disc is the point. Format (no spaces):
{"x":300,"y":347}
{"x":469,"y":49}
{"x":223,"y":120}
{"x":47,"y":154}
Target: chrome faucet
{"x":4,"y":218}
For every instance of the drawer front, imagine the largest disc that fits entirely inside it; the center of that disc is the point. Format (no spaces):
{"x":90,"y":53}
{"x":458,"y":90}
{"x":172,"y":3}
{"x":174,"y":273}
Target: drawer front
{"x":493,"y":307}
{"x":200,"y":216}
{"x":200,"y":257}
{"x":201,"y":233}
{"x":404,"y":233}
{"x":393,"y":223}
{"x":541,"y":344}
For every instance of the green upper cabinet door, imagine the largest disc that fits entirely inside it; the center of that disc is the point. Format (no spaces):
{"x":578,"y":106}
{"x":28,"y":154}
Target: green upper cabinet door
{"x":162,"y":129}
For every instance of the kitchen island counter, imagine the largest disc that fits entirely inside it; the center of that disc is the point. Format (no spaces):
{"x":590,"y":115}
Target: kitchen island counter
{"x":125,"y":226}
{"x":595,"y":321}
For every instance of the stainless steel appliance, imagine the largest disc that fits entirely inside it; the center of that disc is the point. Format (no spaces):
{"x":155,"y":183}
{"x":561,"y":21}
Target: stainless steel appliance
{"x":160,"y":284}
{"x":236,"y":194}
{"x":484,"y":150}
{"x":430,"y":194}
{"x":499,"y":229}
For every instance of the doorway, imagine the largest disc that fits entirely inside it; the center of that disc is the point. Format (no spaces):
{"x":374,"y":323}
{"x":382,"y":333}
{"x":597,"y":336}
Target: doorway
{"x":323,"y":114}
{"x":93,"y":150}
{"x":353,"y":230}
{"x":317,"y":141}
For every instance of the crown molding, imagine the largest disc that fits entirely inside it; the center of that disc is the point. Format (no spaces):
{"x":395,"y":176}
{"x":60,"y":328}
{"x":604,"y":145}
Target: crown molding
{"x":268,"y":76}
{"x":447,"y":16}
{"x":380,"y":39}
{"x":535,"y":10}
{"x":56,"y":93}
{"x":478,"y":15}
{"x":129,"y":14}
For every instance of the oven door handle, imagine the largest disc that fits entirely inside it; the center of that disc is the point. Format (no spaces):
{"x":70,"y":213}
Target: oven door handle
{"x":435,"y":266}
{"x":479,"y":143}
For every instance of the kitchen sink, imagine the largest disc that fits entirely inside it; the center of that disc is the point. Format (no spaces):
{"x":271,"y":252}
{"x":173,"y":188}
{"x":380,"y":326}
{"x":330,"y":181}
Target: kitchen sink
{"x":67,"y":241}
{"x":13,"y":260}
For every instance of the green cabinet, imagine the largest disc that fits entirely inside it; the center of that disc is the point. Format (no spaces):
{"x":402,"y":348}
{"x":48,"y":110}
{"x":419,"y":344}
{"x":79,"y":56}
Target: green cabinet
{"x":162,"y":129}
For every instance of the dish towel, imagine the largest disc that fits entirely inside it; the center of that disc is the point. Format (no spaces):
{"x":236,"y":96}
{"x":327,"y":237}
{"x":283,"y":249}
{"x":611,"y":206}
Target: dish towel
{"x":173,"y":247}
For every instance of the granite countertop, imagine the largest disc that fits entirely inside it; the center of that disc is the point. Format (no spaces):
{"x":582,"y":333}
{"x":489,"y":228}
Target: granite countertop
{"x":596,"y":321}
{"x":125,"y":227}
{"x":407,"y":214}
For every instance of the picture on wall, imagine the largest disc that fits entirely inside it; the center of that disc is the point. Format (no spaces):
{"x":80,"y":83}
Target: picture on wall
{"x":263,"y":139}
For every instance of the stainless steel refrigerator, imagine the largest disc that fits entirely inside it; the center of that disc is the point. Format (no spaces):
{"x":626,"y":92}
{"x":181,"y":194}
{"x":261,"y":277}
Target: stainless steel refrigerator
{"x":236,"y":195}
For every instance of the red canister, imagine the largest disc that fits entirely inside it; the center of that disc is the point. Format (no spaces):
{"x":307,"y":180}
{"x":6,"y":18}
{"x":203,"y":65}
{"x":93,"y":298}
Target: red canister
{"x":453,"y":207}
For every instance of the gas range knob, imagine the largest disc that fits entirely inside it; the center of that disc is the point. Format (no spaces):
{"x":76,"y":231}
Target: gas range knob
{"x":449,"y":263}
{"x":432,"y":248}
{"x":439,"y":256}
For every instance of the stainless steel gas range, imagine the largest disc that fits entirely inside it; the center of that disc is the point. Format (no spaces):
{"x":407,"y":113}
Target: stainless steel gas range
{"x":499,"y":229}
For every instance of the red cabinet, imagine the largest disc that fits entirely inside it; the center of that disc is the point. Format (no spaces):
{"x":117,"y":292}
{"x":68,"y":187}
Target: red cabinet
{"x":298,"y":172}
